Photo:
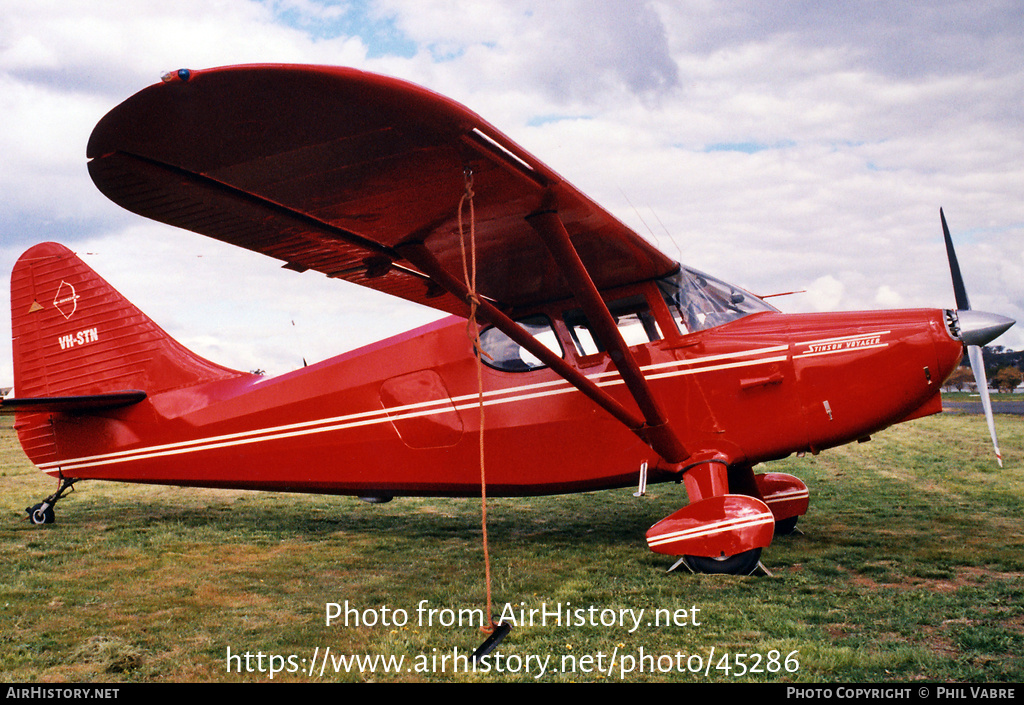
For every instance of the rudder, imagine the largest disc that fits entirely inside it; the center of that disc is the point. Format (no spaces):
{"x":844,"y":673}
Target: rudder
{"x":74,"y":334}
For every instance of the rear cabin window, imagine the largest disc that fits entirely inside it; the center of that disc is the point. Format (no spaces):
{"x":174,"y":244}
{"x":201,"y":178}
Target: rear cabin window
{"x":503,"y":353}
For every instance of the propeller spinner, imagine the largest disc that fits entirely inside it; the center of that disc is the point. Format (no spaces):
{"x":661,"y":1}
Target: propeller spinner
{"x":976,"y":328}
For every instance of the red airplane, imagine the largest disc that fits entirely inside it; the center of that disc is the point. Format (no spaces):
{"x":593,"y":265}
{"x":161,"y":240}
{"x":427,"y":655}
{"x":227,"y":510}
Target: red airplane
{"x":593,"y":360}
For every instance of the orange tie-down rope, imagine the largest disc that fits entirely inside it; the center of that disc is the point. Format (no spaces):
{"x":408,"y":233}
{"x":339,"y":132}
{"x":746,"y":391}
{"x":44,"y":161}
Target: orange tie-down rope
{"x":496,"y":631}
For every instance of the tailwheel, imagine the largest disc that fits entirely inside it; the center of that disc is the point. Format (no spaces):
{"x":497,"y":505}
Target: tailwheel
{"x":740,"y":564}
{"x":43,"y":512}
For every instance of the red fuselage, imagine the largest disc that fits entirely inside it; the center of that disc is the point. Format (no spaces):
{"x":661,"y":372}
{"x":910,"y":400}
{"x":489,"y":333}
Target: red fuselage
{"x":402,"y":417}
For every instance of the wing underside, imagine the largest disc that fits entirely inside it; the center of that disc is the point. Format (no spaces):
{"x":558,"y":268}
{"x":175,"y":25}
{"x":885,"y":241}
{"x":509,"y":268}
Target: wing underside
{"x":336,"y":170}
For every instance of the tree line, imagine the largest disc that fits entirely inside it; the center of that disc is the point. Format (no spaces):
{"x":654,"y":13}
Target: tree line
{"x":1003,"y":368}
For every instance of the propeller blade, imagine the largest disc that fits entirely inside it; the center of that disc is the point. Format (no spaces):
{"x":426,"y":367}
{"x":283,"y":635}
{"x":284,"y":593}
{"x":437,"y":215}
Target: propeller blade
{"x":976,"y":329}
{"x":959,"y":289}
{"x":978,"y":367}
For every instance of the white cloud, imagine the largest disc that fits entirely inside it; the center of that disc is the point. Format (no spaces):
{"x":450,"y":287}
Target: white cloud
{"x":825,"y":293}
{"x":887,"y":297}
{"x":783,"y":147}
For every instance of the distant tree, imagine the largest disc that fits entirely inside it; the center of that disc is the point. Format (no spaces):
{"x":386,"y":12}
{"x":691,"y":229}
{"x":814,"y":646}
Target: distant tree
{"x":961,"y":378}
{"x":1007,"y":379}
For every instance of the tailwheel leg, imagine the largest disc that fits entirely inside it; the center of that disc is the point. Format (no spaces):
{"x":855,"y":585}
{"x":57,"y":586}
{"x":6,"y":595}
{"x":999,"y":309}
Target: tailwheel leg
{"x":43,"y":513}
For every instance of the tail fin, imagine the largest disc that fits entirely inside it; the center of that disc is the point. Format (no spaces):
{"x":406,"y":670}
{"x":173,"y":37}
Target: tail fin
{"x":74,"y":334}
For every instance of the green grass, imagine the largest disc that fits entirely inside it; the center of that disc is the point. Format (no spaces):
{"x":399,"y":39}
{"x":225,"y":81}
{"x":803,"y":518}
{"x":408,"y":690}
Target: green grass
{"x":909,"y":568}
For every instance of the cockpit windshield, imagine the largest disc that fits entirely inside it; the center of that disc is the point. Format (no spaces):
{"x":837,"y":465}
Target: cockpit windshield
{"x":698,"y":301}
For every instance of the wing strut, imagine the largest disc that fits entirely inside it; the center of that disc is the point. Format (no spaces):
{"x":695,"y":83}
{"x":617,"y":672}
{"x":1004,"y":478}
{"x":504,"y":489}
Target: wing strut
{"x":652,"y":426}
{"x":424,"y":260}
{"x":657,"y":430}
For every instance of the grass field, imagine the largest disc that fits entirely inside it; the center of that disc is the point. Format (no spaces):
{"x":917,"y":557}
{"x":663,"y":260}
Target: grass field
{"x":910,"y":568}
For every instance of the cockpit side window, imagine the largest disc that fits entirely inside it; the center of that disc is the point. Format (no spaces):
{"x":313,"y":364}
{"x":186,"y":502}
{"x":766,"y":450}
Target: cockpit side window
{"x":695,"y":301}
{"x":503,"y":353}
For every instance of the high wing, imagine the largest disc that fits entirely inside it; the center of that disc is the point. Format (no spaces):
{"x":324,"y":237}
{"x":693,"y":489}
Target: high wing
{"x":337,"y":170}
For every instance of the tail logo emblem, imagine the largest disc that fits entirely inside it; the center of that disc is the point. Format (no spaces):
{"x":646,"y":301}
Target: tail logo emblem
{"x":66,"y":300}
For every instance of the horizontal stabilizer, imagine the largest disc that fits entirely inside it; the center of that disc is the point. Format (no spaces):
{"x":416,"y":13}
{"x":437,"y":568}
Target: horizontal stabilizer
{"x":76,"y":404}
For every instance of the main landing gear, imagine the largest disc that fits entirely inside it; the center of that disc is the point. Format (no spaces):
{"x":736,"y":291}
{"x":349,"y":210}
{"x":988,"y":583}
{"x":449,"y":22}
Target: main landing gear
{"x":43,"y":513}
{"x":732,"y":515}
{"x":740,"y":564}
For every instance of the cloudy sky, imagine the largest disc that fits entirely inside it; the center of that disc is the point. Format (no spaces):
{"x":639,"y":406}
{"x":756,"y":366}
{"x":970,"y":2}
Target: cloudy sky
{"x":778,"y":145}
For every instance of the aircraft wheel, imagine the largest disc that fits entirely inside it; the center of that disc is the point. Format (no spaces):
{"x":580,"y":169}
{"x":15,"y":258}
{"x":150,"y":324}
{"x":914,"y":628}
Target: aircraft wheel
{"x":741,"y":564}
{"x":39,"y":515}
{"x":785,"y":527}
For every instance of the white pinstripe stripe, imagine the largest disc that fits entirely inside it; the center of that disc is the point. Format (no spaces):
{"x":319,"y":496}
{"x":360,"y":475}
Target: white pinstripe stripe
{"x":718,"y":527}
{"x":408,"y":411}
{"x":787,"y":496}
